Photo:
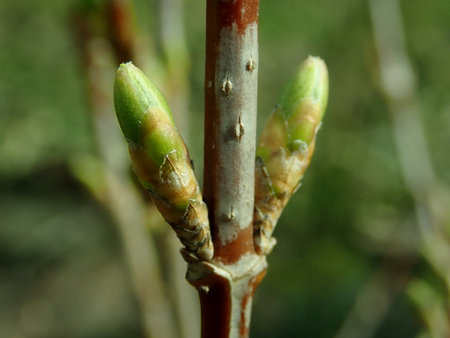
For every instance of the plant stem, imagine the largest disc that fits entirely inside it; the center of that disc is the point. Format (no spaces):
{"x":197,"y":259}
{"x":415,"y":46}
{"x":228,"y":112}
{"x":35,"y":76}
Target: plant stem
{"x":230,"y":124}
{"x":121,"y":28}
{"x":226,"y":285}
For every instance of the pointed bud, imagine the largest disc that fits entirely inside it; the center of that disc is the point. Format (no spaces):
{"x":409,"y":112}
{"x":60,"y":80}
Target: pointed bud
{"x":160,"y":158}
{"x":299,"y":112}
{"x":144,"y":115}
{"x":287,"y":145}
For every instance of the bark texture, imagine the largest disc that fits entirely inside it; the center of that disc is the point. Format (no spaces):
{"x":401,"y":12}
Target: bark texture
{"x":226,"y":284}
{"x":230,"y":124}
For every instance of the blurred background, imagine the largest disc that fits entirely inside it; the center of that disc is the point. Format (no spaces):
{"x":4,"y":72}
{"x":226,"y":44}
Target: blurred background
{"x":363,"y":247}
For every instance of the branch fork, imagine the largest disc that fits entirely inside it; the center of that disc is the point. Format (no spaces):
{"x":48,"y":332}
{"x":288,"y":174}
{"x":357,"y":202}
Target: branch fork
{"x":234,"y":287}
{"x":226,"y":233}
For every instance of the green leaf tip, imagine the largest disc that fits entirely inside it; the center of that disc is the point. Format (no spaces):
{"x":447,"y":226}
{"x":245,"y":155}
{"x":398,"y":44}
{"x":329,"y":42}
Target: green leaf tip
{"x":144,"y":115}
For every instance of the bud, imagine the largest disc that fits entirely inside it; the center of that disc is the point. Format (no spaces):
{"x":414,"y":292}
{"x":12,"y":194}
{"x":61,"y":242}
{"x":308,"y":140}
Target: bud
{"x":160,"y":159}
{"x":287,"y":145}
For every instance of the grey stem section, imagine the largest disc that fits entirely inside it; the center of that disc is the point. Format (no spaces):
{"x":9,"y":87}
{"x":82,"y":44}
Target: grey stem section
{"x":226,"y":285}
{"x":230,"y":136}
{"x":236,"y":96}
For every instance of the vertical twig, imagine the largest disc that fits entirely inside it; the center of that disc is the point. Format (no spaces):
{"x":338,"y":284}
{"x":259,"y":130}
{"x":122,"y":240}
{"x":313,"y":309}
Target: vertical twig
{"x":120,"y":198}
{"x":123,"y":39}
{"x":224,"y":263}
{"x":176,"y":66}
{"x":121,"y":29}
{"x":398,"y":83}
{"x":176,"y":59}
{"x":230,"y":124}
{"x":226,"y":285}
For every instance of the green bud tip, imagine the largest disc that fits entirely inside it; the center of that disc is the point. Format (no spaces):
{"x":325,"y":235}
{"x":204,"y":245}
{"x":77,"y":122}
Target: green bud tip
{"x":144,"y":115}
{"x":303,"y":102}
{"x":134,"y":94}
{"x":299,"y":112}
{"x":309,"y":83}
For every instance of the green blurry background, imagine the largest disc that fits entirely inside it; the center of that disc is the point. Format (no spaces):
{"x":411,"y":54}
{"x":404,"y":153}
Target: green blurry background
{"x":349,"y":235}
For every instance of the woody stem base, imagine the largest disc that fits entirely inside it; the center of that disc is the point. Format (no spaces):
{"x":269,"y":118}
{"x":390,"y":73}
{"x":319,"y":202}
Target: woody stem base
{"x":226,"y":296}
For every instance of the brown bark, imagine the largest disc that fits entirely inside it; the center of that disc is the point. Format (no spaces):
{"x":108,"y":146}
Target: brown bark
{"x":121,"y":29}
{"x":230,"y":124}
{"x":227,"y":284}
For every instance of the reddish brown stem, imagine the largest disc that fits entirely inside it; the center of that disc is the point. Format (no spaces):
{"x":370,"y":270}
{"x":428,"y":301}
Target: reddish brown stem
{"x":226,"y":295}
{"x":230,"y":124}
{"x":121,"y":29}
{"x":226,"y":285}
